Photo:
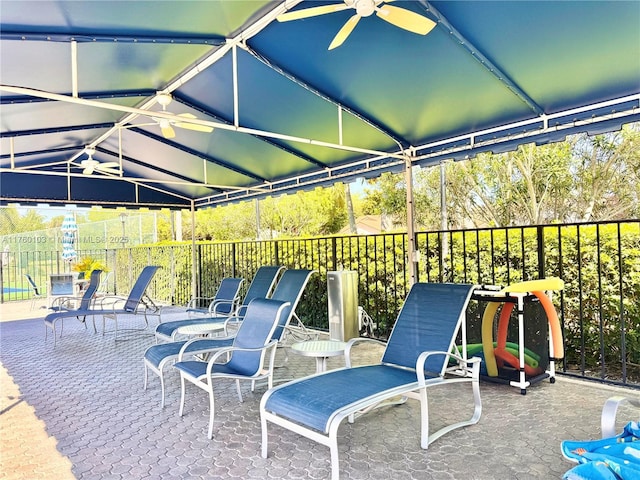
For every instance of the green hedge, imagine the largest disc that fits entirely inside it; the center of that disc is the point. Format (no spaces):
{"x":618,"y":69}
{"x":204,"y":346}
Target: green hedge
{"x":600,"y":264}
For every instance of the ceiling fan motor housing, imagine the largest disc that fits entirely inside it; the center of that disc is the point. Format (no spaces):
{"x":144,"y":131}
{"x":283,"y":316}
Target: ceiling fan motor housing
{"x":364,"y":8}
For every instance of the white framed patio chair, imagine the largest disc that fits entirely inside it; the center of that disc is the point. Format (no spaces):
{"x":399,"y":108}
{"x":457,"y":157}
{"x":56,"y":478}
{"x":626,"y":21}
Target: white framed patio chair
{"x":157,"y":357}
{"x":260,"y":287}
{"x":417,"y":357}
{"x":250,"y":357}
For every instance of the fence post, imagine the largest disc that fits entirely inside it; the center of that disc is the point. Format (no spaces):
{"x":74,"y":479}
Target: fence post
{"x":2,"y":281}
{"x":198,"y":268}
{"x":541,"y":248}
{"x":234,"y":262}
{"x":334,"y":253}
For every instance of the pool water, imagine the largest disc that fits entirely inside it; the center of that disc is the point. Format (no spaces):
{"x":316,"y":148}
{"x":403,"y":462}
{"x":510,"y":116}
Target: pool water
{"x":14,"y":290}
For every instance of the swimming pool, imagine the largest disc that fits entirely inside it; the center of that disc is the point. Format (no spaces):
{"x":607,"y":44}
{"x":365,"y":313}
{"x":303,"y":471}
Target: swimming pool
{"x":14,"y":290}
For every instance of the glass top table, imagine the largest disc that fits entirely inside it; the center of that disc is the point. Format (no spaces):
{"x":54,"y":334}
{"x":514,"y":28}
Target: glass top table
{"x":321,"y":350}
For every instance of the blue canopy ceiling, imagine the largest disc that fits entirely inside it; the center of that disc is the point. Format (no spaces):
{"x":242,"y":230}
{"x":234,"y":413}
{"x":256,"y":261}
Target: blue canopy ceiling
{"x":286,"y":112}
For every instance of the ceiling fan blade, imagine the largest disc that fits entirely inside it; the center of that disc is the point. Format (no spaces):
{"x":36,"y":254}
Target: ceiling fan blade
{"x":192,"y":126}
{"x":104,"y":165}
{"x":406,"y":19}
{"x":167,"y":131}
{"x":311,"y":12}
{"x":344,"y":32}
{"x":87,"y":171}
{"x":114,"y":171}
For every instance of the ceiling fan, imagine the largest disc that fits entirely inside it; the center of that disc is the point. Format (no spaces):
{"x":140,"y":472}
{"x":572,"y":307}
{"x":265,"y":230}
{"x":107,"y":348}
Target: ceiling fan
{"x":89,"y":165}
{"x":166,"y":125}
{"x":400,"y":17}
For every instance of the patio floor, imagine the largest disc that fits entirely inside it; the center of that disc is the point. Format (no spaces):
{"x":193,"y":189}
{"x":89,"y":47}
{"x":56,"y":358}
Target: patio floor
{"x":79,"y":411}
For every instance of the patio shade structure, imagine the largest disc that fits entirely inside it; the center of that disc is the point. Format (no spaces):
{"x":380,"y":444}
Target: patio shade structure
{"x":192,"y":104}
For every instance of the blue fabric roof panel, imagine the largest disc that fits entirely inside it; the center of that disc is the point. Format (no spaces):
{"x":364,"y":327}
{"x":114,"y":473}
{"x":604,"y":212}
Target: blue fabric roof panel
{"x":491,"y":75}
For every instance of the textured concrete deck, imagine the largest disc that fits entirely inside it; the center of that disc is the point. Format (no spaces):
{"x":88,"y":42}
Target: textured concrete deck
{"x":79,"y":411}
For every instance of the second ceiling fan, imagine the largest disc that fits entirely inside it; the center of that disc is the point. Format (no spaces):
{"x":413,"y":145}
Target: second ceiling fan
{"x":89,"y":165}
{"x":400,"y":17}
{"x":166,"y":125}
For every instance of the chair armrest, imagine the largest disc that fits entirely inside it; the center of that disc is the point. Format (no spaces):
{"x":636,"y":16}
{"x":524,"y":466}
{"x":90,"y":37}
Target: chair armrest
{"x":183,"y":350}
{"x":224,"y":351}
{"x":234,"y":321}
{"x":609,"y":411}
{"x":109,"y":302}
{"x":61,"y":302}
{"x":195,"y":302}
{"x":352,"y":342}
{"x":214,"y":306}
{"x":474,"y":361}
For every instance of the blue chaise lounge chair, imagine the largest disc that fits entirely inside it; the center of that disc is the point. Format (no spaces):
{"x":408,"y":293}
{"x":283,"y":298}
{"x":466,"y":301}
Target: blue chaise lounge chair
{"x":138,"y":302}
{"x":260,"y":287}
{"x":417,"y":356}
{"x":156,"y":358}
{"x":245,"y":357}
{"x":63,"y":305}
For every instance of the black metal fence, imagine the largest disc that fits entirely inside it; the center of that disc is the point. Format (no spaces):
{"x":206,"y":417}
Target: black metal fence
{"x":599,"y":307}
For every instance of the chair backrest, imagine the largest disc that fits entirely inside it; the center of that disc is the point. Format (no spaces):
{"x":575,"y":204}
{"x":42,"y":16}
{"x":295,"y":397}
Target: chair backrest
{"x":261,"y":285}
{"x":256,"y":330}
{"x":140,"y":287}
{"x":36,"y":289}
{"x":428,"y":321}
{"x":228,"y":293}
{"x":289,"y":289}
{"x":91,"y":290}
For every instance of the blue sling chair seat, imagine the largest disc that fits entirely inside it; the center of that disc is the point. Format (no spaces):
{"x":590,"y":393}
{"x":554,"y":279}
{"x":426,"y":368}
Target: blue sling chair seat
{"x":138,"y":302}
{"x":246,"y":357}
{"x":417,"y":356}
{"x":289,"y":289}
{"x":63,"y":306}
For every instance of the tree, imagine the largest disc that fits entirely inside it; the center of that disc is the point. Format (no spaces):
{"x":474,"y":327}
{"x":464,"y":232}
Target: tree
{"x":319,"y":212}
{"x":607,"y":172}
{"x":30,"y":221}
{"x":9,"y":218}
{"x":231,"y":222}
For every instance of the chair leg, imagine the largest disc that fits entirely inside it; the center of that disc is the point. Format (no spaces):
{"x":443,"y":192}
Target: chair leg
{"x":335,"y":462}
{"x":161,"y":388}
{"x":211,"y":412}
{"x":265,"y":437}
{"x":146,"y":375}
{"x":424,"y":419}
{"x":238,"y":390}
{"x":182,"y":388}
